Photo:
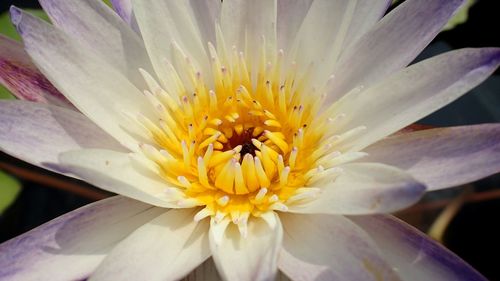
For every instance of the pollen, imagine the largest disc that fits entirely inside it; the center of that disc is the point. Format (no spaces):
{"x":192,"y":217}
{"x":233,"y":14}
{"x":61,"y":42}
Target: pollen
{"x":234,"y":144}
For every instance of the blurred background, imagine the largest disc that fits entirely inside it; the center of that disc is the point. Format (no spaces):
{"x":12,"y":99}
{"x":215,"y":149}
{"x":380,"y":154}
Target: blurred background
{"x":463,"y":219}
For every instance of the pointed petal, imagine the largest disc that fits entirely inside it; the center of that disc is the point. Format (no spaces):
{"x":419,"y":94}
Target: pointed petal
{"x":326,"y":247}
{"x":124,"y":9}
{"x":443,"y":157}
{"x":76,"y":242}
{"x":116,"y":172}
{"x":365,"y":188}
{"x":414,"y":255}
{"x":415,"y":92}
{"x":23,"y":79}
{"x":164,"y":24}
{"x":366,"y":15}
{"x":251,"y":258}
{"x":94,"y":25}
{"x":290,"y":15}
{"x":244,"y":23}
{"x":98,"y":90}
{"x":166,"y":248}
{"x":392,"y":43}
{"x":37,"y":133}
{"x":326,"y":30}
{"x":206,"y":13}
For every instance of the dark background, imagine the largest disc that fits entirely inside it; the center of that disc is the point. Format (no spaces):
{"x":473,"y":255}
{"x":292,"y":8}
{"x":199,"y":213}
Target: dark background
{"x":473,"y":234}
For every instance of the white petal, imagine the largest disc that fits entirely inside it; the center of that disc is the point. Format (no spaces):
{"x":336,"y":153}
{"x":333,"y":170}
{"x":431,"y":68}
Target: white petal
{"x":206,"y":13}
{"x":320,"y":29}
{"x":392,"y":43}
{"x":251,"y":258}
{"x":166,"y":248}
{"x":414,"y":93}
{"x":326,"y":247}
{"x":364,"y":188}
{"x":366,"y":15}
{"x":442,"y":157}
{"x":290,"y":15}
{"x":93,"y":24}
{"x":91,"y":84}
{"x":71,"y":247}
{"x":165,"y":23}
{"x":244,"y":23}
{"x":116,"y":172}
{"x":413,"y":255}
{"x":328,"y":28}
{"x":38,"y":133}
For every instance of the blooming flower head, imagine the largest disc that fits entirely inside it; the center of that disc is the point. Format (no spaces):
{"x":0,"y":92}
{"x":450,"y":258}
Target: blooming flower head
{"x":255,"y":132}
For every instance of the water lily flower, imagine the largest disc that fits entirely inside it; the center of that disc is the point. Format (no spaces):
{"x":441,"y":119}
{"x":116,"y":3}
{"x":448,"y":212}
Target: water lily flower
{"x":256,"y":136}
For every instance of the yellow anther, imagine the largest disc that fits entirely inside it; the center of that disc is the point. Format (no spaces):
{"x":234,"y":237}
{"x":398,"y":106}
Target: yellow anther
{"x":238,"y":129}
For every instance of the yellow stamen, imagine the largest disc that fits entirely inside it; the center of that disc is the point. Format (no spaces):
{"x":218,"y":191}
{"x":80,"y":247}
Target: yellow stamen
{"x":246,"y":141}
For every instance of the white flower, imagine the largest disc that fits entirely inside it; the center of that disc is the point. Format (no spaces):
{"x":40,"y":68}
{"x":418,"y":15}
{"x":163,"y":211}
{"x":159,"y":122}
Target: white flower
{"x":252,"y":132}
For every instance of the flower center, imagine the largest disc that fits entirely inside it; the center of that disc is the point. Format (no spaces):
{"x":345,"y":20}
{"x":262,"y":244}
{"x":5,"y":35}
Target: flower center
{"x":245,"y":140}
{"x":236,"y":144}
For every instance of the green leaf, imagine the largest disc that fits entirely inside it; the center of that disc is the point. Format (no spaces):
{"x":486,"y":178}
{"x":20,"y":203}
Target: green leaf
{"x":108,"y":2}
{"x":9,"y":190}
{"x":8,"y":29}
{"x":461,"y":16}
{"x":5,"y":94}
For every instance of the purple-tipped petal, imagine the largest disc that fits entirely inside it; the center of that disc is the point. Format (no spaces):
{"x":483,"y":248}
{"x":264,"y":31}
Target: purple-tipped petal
{"x":328,"y":247}
{"x":23,"y":79}
{"x":124,"y":9}
{"x":166,"y":248}
{"x":392,"y":44}
{"x":71,"y":247}
{"x":98,"y":89}
{"x":414,"y":92}
{"x":364,"y":188}
{"x":94,"y":25}
{"x":37,"y":133}
{"x":443,"y":157}
{"x":415,"y":256}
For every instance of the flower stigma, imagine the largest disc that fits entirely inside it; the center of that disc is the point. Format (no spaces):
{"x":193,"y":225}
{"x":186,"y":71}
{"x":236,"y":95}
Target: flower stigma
{"x":238,"y":145}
